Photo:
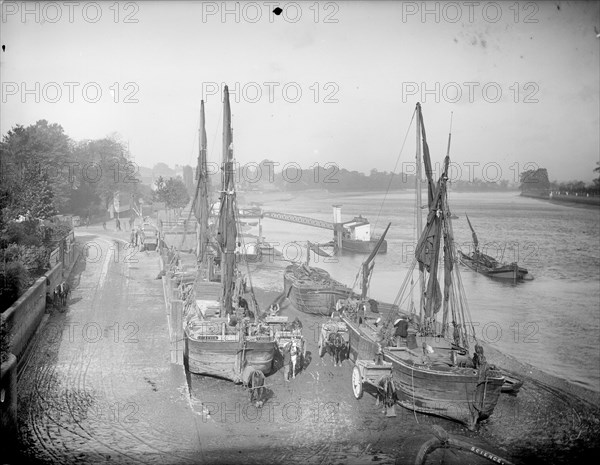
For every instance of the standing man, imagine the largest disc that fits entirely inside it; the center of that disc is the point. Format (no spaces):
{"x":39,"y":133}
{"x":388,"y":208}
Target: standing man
{"x":287,"y":360}
{"x":401,"y":332}
{"x":141,"y":237}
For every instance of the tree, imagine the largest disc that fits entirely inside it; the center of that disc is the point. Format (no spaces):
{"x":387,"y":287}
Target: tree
{"x":34,"y":162}
{"x":597,"y":180}
{"x":160,"y":193}
{"x":172,"y":192}
{"x":104,"y":169}
{"x":535,"y":181}
{"x":39,"y":201}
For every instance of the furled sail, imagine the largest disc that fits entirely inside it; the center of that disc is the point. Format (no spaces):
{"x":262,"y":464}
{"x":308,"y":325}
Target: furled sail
{"x":227,"y":234}
{"x":426,"y":159}
{"x":428,"y":247}
{"x":201,"y":200}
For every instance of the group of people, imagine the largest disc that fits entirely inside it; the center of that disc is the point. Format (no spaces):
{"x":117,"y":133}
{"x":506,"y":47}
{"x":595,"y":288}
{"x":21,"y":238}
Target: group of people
{"x":118,"y":224}
{"x":356,"y":309}
{"x":137,"y":235}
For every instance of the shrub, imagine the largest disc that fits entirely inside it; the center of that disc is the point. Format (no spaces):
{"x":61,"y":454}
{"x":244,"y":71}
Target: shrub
{"x":35,"y":259}
{"x":5,"y":341}
{"x":14,"y":280}
{"x":24,"y":233}
{"x":12,"y":253}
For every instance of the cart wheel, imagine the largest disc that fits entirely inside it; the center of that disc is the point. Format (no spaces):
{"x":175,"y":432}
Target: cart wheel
{"x":357,"y":383}
{"x":321,"y":346}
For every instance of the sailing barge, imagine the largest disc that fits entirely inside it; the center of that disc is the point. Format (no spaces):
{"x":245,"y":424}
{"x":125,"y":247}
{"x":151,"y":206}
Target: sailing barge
{"x":223,"y":337}
{"x":432,"y":372}
{"x":489,"y":266}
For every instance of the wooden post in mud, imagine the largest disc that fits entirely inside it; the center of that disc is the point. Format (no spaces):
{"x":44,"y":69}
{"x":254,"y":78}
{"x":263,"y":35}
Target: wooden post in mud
{"x":338,"y":229}
{"x":176,"y":332}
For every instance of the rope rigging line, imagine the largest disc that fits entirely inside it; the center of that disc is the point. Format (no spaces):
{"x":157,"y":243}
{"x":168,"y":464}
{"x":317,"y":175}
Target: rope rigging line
{"x":395,"y":167}
{"x":191,"y":157}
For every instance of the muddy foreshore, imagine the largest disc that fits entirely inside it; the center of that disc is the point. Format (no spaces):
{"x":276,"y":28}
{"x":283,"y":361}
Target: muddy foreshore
{"x":114,"y":397}
{"x":549,"y":421}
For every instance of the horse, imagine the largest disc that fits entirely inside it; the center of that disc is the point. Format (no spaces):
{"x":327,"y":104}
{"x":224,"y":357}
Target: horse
{"x":56,"y":296}
{"x":295,"y":356}
{"x":63,"y":292}
{"x":336,"y":346}
{"x":254,"y":380}
{"x":257,"y":388}
{"x":386,"y":394}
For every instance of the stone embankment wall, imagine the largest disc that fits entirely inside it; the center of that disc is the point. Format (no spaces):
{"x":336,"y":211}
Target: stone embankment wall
{"x":23,"y":319}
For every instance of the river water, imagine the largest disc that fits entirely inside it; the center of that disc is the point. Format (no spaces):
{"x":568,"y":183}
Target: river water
{"x":552,"y":322}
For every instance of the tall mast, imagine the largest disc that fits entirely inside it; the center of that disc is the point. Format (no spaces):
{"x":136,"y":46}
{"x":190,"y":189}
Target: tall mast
{"x":202,"y":189}
{"x":418,"y":209}
{"x":418,"y":173}
{"x":227,"y":235}
{"x":448,"y":246}
{"x":368,"y":267}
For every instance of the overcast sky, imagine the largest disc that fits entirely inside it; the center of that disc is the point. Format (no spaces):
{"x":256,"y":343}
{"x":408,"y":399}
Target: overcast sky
{"x":522,"y":80}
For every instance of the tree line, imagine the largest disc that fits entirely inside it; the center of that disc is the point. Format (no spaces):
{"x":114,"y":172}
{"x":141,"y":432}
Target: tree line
{"x":43,"y":173}
{"x":333,"y":178}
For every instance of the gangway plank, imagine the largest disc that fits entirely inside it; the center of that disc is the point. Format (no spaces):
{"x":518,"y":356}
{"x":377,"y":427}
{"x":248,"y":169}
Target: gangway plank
{"x":299,"y":219}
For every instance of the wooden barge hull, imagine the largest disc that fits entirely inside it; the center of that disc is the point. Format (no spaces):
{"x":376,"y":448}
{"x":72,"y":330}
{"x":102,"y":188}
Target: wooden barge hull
{"x":310,"y":296}
{"x":449,"y":392}
{"x":504,"y":272}
{"x":227,"y":359}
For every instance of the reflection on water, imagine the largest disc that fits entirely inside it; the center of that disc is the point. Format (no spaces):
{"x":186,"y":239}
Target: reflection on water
{"x":551,"y":322}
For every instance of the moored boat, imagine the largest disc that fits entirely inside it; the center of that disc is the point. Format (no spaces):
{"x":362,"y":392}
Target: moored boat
{"x":356,"y":236}
{"x":312,"y":290}
{"x":489,"y":266}
{"x":431,"y":369}
{"x":223,"y":335}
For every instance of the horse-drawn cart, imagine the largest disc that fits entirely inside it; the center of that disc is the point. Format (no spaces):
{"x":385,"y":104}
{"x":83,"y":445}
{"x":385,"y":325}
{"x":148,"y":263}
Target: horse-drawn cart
{"x":290,"y":341}
{"x":286,"y":333}
{"x":379,"y":375}
{"x":334,"y":339}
